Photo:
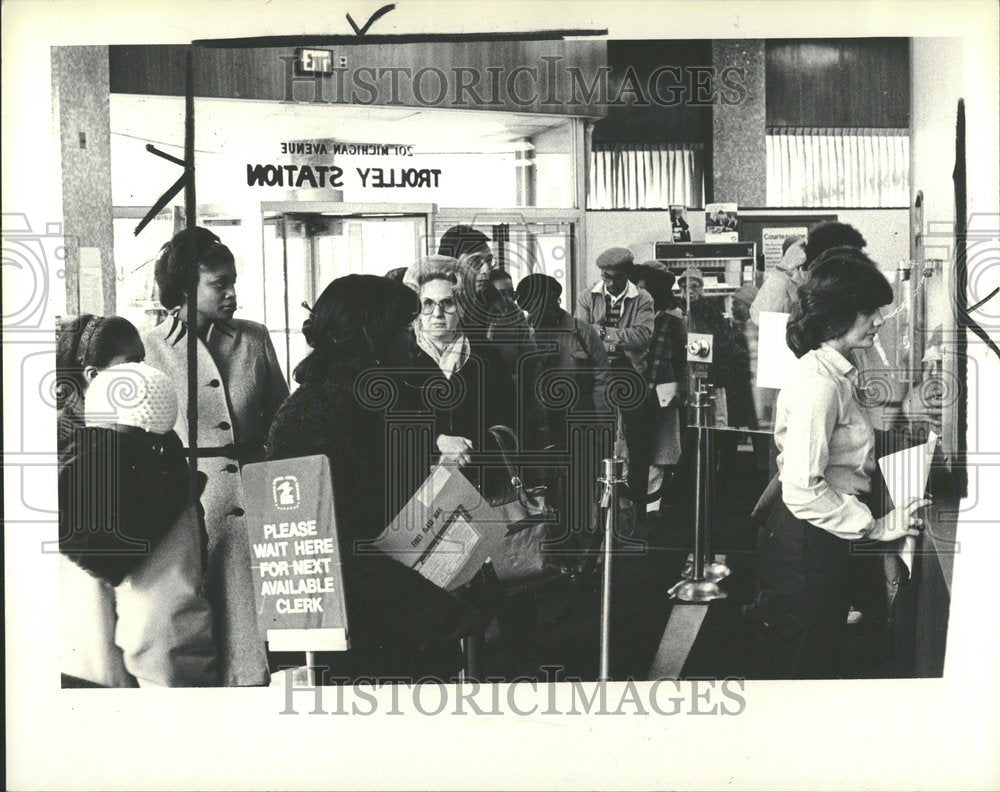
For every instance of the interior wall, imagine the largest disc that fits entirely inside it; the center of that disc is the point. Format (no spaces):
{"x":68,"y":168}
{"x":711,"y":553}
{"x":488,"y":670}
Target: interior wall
{"x":936,"y":88}
{"x":739,"y":154}
{"x":80,"y":93}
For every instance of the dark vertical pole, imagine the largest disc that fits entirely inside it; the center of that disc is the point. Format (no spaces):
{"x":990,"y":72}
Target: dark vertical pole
{"x":284,"y":275}
{"x":191,"y":251}
{"x":961,"y":298}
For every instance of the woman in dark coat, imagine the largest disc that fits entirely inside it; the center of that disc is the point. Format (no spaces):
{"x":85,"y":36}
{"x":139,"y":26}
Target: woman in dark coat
{"x":401,"y":624}
{"x":459,"y":377}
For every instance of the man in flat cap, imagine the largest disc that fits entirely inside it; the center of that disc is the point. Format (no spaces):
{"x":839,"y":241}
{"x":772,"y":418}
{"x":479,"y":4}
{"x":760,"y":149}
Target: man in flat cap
{"x":622,"y":315}
{"x":621,"y":312}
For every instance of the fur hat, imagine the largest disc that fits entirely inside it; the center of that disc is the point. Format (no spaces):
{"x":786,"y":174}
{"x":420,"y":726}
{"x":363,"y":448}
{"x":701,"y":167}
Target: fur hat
{"x":132,"y":394}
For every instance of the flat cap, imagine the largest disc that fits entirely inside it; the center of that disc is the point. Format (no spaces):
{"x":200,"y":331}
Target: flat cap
{"x":615,"y":257}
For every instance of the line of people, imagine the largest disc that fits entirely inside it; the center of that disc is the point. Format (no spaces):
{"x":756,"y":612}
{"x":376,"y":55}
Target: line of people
{"x":422,"y":362}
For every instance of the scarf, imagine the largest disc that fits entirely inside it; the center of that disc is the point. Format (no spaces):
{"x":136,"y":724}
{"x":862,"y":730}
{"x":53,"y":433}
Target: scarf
{"x":451,"y":358}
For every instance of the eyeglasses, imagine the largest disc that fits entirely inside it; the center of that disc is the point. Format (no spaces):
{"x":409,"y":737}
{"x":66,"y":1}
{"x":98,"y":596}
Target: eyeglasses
{"x":478,"y":259}
{"x":447,"y":305}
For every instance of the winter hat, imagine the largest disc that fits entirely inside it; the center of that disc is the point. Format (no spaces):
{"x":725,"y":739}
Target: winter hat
{"x":132,"y":394}
{"x":615,"y":257}
{"x":745,"y":294}
{"x":691,"y":273}
{"x":461,"y":240}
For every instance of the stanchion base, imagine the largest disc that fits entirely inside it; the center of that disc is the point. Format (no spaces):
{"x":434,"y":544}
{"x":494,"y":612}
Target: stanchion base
{"x":714,"y":571}
{"x":717,"y":571}
{"x":697,"y":591}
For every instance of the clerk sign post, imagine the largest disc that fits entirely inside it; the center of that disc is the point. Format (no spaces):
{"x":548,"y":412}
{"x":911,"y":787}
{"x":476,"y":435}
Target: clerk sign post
{"x":295,"y":555}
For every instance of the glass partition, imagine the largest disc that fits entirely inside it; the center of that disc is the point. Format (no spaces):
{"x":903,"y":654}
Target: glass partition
{"x":304,"y":250}
{"x":524,"y":245}
{"x":903,"y":378}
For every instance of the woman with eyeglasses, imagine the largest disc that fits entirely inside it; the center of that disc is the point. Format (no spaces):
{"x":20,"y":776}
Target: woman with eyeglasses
{"x":459,"y":378}
{"x":348,"y":408}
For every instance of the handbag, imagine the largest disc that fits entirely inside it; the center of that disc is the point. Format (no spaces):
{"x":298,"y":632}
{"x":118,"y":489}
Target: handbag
{"x":529,"y":520}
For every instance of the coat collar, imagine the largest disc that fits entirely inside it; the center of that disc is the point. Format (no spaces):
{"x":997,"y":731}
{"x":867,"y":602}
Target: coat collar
{"x":178,"y":328}
{"x":631,"y":291}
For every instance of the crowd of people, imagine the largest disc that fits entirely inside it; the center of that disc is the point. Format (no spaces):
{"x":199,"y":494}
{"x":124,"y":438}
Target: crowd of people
{"x":158,"y":590}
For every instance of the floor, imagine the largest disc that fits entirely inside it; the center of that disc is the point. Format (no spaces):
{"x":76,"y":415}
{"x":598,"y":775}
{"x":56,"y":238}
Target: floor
{"x":642,"y":606}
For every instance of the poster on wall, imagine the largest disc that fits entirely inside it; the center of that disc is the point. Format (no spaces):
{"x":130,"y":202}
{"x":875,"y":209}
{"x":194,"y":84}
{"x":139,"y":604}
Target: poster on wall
{"x":721,"y":222}
{"x":773,"y":242}
{"x":680,"y":231}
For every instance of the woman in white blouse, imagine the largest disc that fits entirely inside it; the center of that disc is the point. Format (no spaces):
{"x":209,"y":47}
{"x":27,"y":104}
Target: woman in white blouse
{"x":826,"y":460}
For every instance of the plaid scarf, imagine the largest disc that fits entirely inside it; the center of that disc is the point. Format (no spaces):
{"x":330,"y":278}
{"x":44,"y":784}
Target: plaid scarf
{"x":666,"y":360}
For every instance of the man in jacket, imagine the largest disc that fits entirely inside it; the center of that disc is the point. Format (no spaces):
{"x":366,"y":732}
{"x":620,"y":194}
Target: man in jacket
{"x":622,"y":314}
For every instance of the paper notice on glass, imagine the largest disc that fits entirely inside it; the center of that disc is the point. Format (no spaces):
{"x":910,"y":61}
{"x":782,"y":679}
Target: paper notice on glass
{"x":772,"y":240}
{"x":774,"y":358}
{"x":445,"y":531}
{"x":906,"y":473}
{"x":665,"y":393}
{"x":451,"y":548}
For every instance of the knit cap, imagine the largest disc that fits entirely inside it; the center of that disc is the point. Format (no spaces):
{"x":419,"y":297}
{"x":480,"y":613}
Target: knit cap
{"x":132,"y":394}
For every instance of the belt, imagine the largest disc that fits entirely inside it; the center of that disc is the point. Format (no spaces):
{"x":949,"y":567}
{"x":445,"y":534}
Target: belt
{"x":232,"y":450}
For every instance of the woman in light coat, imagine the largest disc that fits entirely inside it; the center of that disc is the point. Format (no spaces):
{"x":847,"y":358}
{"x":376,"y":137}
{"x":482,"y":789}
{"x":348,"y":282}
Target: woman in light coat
{"x":240,"y":387}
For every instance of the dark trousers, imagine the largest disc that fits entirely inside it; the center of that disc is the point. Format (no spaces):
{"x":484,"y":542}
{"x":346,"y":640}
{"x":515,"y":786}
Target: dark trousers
{"x":799,"y":616}
{"x":637,"y":419}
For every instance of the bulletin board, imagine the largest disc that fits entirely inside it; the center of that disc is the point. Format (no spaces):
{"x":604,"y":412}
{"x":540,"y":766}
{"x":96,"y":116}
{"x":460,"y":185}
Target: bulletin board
{"x":752,"y":225}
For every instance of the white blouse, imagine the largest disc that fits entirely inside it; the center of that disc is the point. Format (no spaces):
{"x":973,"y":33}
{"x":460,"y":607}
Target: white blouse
{"x":826,"y":445}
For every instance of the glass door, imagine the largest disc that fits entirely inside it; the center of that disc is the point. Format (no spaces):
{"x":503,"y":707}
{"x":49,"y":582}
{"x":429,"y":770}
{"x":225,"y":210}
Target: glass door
{"x":307,"y":245}
{"x":523,"y":244}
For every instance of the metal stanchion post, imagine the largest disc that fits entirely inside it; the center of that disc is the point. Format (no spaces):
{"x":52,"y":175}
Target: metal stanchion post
{"x":612,"y":478}
{"x":698,"y":588}
{"x":713,"y":570}
{"x":311,"y":669}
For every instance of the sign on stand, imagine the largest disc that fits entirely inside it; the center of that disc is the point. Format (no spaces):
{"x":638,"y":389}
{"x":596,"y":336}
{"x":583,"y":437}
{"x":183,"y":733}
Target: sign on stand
{"x":295,"y":555}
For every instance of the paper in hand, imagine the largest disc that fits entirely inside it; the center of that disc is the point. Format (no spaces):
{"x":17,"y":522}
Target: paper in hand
{"x":774,"y":358}
{"x":906,"y":473}
{"x":665,"y":393}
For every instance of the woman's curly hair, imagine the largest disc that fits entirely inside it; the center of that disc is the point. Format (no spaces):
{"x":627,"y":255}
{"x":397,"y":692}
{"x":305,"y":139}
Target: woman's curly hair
{"x":843,"y":283}
{"x":351,"y":325}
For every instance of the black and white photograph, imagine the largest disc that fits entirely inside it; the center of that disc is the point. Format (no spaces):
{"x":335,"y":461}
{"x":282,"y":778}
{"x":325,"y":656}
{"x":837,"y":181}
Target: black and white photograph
{"x":379,"y":375}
